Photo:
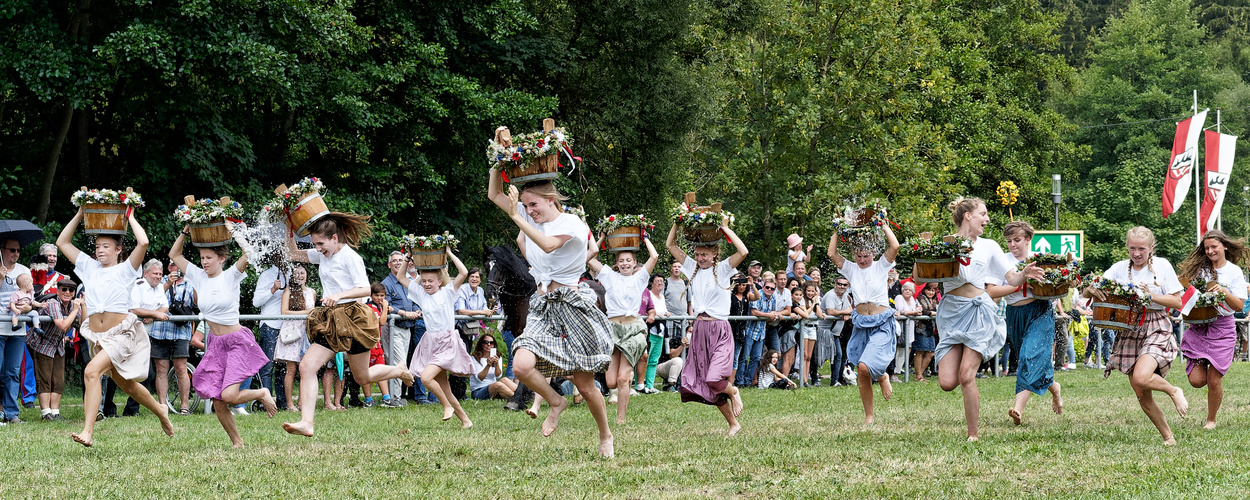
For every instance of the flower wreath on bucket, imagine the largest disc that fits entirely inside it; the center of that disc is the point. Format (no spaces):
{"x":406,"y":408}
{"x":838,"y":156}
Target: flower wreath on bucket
{"x":1067,"y":270}
{"x":948,"y":247}
{"x":107,"y":197}
{"x":412,"y":243}
{"x":617,"y":221}
{"x":861,"y":227}
{"x":208,"y":210}
{"x":1137,"y":296}
{"x":289,"y":201}
{"x":531,"y":146}
{"x":1205,"y":298}
{"x":686,"y":216}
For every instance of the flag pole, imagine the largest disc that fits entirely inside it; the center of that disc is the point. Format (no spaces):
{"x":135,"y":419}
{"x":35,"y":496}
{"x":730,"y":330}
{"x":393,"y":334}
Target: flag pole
{"x":1219,"y":221}
{"x":1197,"y":183}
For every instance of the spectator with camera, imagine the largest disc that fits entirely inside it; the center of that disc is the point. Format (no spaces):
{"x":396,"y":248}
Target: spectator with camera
{"x":171,"y":340}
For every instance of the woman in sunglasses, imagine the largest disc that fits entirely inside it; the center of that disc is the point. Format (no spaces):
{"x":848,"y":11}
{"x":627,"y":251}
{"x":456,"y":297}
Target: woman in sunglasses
{"x":487,"y":367}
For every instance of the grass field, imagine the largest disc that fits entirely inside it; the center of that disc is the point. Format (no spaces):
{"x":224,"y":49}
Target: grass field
{"x":810,"y":443}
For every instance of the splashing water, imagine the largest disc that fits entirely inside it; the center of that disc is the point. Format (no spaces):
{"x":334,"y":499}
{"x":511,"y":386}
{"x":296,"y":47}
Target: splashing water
{"x":264,"y":242}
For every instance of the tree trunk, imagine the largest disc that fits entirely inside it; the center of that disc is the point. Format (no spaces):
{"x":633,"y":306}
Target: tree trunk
{"x":84,"y":154}
{"x":49,"y":169}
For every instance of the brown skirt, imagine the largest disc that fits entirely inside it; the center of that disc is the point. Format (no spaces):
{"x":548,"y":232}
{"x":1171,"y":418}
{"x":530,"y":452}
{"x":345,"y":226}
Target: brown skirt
{"x":338,"y":326}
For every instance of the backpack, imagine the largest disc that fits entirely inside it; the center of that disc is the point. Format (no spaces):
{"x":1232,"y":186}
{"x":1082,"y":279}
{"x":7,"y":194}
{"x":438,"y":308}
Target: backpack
{"x":181,"y":306}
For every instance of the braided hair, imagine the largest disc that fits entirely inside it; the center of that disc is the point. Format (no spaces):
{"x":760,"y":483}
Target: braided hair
{"x":1143,"y":233}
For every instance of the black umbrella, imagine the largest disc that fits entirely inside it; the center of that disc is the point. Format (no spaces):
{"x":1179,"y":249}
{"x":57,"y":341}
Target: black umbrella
{"x":23,"y":231}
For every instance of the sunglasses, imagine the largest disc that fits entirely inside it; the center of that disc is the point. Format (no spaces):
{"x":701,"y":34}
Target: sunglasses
{"x":488,"y":342}
{"x":844,"y":284}
{"x":770,"y":288}
{"x":66,"y":289}
{"x":14,"y":250}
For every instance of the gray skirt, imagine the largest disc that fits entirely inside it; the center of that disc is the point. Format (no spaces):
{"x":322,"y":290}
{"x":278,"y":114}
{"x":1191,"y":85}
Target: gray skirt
{"x":567,"y":333}
{"x":970,"y":322}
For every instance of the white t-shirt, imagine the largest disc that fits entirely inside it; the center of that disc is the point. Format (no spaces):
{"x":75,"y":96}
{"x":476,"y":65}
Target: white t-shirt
{"x":657,"y":301}
{"x":793,"y":256}
{"x":217,"y":297}
{"x":340,"y":272}
{"x":479,"y":365}
{"x":831,"y":300}
{"x":1017,"y":295}
{"x":564,"y":265}
{"x":1162,"y":281}
{"x":623,"y":294}
{"x":710,"y":294}
{"x":107,"y":288}
{"x":269,"y":303}
{"x":438,"y":310}
{"x":1231,"y":278}
{"x":147,"y":297}
{"x":871,"y":285}
{"x":7,"y":286}
{"x":988,"y":265}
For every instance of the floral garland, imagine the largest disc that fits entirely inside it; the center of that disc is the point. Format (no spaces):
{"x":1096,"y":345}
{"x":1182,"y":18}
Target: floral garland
{"x":294,"y":193}
{"x":1205,"y":298}
{"x":208,"y":210}
{"x":526,"y":147}
{"x":1136,"y":295}
{"x":683,"y":215}
{"x":106,"y":196}
{"x":846,"y":228}
{"x":1066,"y":271}
{"x":957,"y":248}
{"x":433,"y":242}
{"x":614,"y":222}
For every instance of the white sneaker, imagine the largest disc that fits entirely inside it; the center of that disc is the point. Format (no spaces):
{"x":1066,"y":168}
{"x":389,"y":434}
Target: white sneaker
{"x":612,"y":396}
{"x":633,"y":393}
{"x":239,"y":410}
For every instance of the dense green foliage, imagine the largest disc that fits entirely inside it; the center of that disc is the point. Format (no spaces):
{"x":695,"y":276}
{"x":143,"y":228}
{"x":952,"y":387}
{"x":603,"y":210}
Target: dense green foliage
{"x":782,"y":109}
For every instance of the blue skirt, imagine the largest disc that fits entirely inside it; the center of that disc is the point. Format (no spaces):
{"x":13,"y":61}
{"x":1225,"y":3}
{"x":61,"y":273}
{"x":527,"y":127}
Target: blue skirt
{"x":1032,"y":331}
{"x":872,"y":341}
{"x":970,"y":322}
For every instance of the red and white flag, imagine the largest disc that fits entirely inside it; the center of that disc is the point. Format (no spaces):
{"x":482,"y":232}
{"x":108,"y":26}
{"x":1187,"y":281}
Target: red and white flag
{"x":1184,"y":159}
{"x":1218,"y":163}
{"x":1188,"y":300}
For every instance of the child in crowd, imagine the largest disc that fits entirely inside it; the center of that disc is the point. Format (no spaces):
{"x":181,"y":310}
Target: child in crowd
{"x":770,"y":376}
{"x":441,"y":350}
{"x":377,"y":302}
{"x":23,"y":301}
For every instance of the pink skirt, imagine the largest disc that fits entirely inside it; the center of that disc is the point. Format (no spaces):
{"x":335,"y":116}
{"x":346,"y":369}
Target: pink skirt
{"x":1211,"y":343}
{"x":444,"y":350}
{"x":228,"y":360}
{"x":705,"y":376}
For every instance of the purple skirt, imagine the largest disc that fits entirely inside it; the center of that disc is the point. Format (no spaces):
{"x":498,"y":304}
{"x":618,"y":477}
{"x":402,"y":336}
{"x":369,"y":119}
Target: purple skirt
{"x":444,"y":350}
{"x":1210,"y":342}
{"x":228,"y":360}
{"x":709,"y":363}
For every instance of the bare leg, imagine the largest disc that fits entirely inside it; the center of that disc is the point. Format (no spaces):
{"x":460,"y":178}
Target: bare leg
{"x":161,"y":367}
{"x":1022,"y":398}
{"x":959,"y":369}
{"x":1056,"y":400}
{"x":523,"y":368}
{"x":809,"y":346}
{"x":613,"y":373}
{"x":865,"y":391}
{"x":184,"y":381}
{"x":622,"y":375}
{"x":430,"y":378}
{"x":99,"y":365}
{"x":233,"y":396}
{"x":585,"y":383}
{"x":45,"y":400}
{"x":227,"y":422}
{"x":365,"y":374}
{"x":1144,"y":380}
{"x":465,"y":423}
{"x":315,"y":358}
{"x":640,"y":368}
{"x":327,"y":391}
{"x":532,"y":411}
{"x":918,"y":363}
{"x":1215,"y":395}
{"x":732,"y":410}
{"x":141,"y":394}
{"x":787,"y":362}
{"x":289,"y":387}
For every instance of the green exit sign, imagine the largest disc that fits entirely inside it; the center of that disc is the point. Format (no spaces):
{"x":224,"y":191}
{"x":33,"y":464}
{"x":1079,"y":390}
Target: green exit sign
{"x":1060,"y":242}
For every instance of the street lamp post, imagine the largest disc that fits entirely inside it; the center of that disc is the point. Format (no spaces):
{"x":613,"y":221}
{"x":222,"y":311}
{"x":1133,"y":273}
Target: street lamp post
{"x":1056,"y":195}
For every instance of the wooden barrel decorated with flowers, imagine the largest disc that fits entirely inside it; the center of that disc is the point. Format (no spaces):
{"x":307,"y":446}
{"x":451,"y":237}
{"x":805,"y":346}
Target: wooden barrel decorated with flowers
{"x":303,"y":204}
{"x":429,"y":253}
{"x":1117,"y":312}
{"x":106,"y":211}
{"x":936,"y":261}
{"x":623,"y":232}
{"x":624,"y":239}
{"x":1201,"y":315}
{"x":207,"y":219}
{"x":429,"y":259}
{"x":935,"y":270}
{"x":530,"y":157}
{"x":1055,"y":289}
{"x":700,"y":226}
{"x":210,"y":234}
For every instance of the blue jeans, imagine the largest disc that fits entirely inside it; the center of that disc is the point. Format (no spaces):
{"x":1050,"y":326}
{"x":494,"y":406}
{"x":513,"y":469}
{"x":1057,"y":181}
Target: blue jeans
{"x":749,"y":360}
{"x":12,"y":350}
{"x":837,"y":361}
{"x":28,"y":378}
{"x":417,"y":392}
{"x":508,"y":338}
{"x":772,"y":337}
{"x":268,"y":341}
{"x":1108,"y":338}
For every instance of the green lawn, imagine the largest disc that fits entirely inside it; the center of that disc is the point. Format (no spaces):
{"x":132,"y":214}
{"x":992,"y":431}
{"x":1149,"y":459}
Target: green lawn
{"x":809,"y":443}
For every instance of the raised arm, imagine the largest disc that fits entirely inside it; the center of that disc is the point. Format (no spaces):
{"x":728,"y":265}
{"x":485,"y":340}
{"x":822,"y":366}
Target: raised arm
{"x":654,"y":255}
{"x":64,"y":241}
{"x":671,"y":244}
{"x":834,"y":256}
{"x":461,"y":272}
{"x":141,"y":243}
{"x":496,"y":193}
{"x":891,"y":252}
{"x":175,"y":251}
{"x":241,"y":263}
{"x":741,"y":247}
{"x":402,"y":275}
{"x":592,"y":252}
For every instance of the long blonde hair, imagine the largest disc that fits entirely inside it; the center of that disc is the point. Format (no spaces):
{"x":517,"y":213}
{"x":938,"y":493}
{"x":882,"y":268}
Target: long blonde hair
{"x":1142,"y":233}
{"x":1198,"y":264}
{"x":350,"y":228}
{"x":961,"y":207}
{"x":546,"y":189}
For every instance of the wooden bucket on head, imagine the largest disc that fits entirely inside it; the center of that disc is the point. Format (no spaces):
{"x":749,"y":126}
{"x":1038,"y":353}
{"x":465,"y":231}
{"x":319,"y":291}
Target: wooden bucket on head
{"x":624,"y":239}
{"x":702,"y":235}
{"x":1115,"y":313}
{"x":427,"y":260}
{"x":310,"y":209}
{"x":105,"y":218}
{"x":861,"y":217}
{"x":538,"y":169}
{"x":1051,"y":290}
{"x":210,"y":234}
{"x":1201,"y":315}
{"x":935,"y":270}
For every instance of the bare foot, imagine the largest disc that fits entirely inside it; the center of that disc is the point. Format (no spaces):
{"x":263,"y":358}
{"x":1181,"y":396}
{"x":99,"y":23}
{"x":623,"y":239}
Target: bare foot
{"x":532,"y":412}
{"x":300,"y":428}
{"x":735,"y":403}
{"x":620,"y":420}
{"x":1210,"y":425}
{"x":83,"y":439}
{"x":733,"y":430}
{"x":868,"y":420}
{"x":465,"y":423}
{"x":1182,"y":405}
{"x":921,"y":379}
{"x":553,"y":416}
{"x":271,"y":406}
{"x":407,"y":378}
{"x":1015,"y":415}
{"x":448,"y":412}
{"x":1056,"y":401}
{"x":973,"y":439}
{"x":292,"y":409}
{"x":606,"y":448}
{"x":238,"y":445}
{"x":887,"y":390}
{"x":1169,"y":441}
{"x":166,"y":425}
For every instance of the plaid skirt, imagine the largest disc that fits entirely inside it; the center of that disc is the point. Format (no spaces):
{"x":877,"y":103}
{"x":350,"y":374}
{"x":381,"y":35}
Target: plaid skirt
{"x":567,"y":332}
{"x":1153,"y":338}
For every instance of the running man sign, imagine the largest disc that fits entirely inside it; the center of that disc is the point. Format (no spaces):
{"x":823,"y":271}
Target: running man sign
{"x":1060,"y":242}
